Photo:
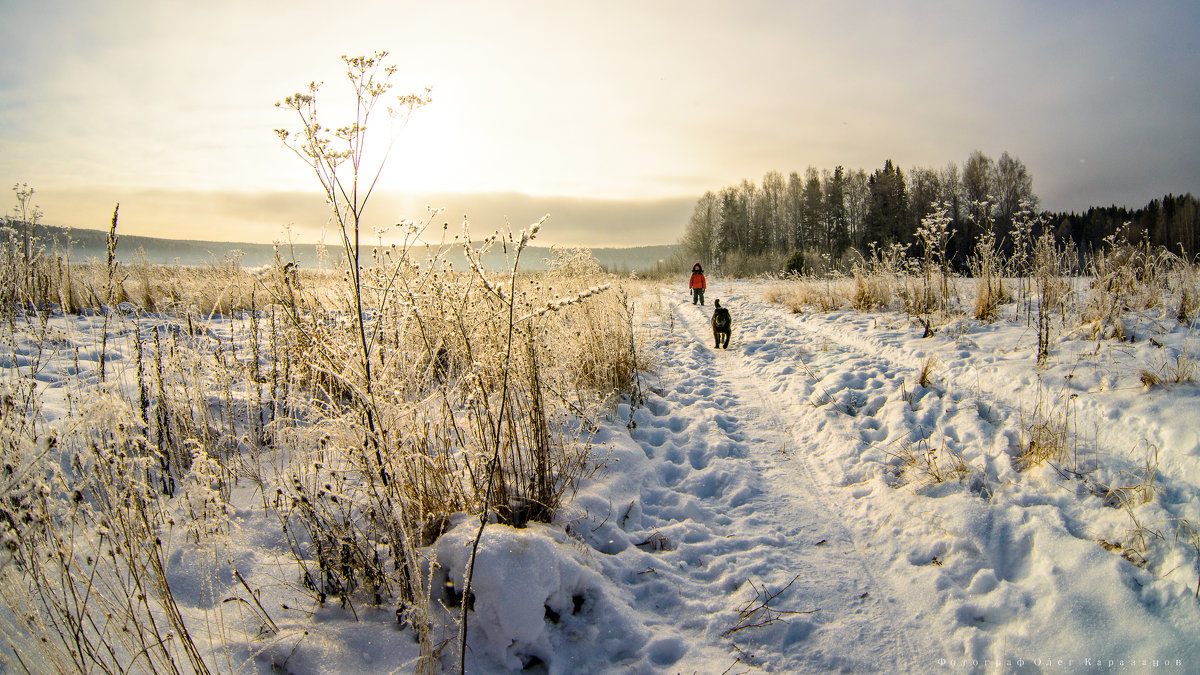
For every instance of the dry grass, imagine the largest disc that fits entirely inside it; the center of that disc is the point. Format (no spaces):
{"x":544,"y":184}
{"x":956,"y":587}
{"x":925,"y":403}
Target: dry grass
{"x":989,"y":296}
{"x":809,"y":293}
{"x":1045,"y":437}
{"x":1189,"y":302}
{"x":926,"y":370}
{"x":931,"y":463}
{"x":1143,"y":489}
{"x":757,"y":611}
{"x":987,"y":269}
{"x":775,"y":292}
{"x":1127,"y":276}
{"x":871,"y":291}
{"x":484,"y":388}
{"x":1179,"y":369}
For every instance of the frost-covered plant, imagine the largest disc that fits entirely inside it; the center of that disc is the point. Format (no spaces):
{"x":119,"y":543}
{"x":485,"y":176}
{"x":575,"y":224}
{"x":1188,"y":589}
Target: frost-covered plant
{"x":480,"y":387}
{"x":20,"y":482}
{"x":28,"y":216}
{"x":342,"y":164}
{"x":86,"y":585}
{"x":1126,"y":276}
{"x":437,"y":389}
{"x":202,"y":508}
{"x":934,"y":233}
{"x":1020,"y":264}
{"x":114,"y":289}
{"x":572,"y":262}
{"x":986,"y":264}
{"x":26,"y":271}
{"x":1051,"y":266}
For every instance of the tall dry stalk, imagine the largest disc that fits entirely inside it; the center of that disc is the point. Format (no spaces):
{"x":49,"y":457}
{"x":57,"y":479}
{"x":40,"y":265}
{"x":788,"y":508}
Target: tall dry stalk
{"x":934,"y":233}
{"x":1051,"y":265}
{"x":112,"y":283}
{"x":986,"y":264}
{"x":348,"y":176}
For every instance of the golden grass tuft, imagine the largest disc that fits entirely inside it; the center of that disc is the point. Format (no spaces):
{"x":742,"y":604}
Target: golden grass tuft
{"x":1044,"y":438}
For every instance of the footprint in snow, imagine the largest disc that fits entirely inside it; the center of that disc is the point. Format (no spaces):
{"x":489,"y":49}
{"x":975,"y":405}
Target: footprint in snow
{"x":665,"y":651}
{"x":652,"y":437}
{"x":872,"y":432}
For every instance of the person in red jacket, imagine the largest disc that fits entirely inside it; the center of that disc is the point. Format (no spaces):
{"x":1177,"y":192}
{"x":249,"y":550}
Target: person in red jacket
{"x":697,"y":284}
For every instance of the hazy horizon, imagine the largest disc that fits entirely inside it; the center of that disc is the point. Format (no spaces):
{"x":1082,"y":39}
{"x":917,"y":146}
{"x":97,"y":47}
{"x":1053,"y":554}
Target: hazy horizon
{"x":266,"y":217}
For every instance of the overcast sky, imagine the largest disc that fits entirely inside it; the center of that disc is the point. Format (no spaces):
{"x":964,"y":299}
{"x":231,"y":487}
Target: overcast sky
{"x":614,"y":116}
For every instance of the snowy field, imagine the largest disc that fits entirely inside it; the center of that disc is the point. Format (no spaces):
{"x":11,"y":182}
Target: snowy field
{"x":833,"y":493}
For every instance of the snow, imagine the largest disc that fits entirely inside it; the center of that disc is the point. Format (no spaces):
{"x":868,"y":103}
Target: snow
{"x":754,"y":512}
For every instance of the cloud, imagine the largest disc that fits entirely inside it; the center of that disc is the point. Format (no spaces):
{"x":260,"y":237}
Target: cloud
{"x":630,"y":109}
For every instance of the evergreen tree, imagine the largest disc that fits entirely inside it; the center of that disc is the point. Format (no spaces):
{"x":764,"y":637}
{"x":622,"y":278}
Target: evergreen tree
{"x":887,"y":210}
{"x":837,"y":233}
{"x":811,"y":215}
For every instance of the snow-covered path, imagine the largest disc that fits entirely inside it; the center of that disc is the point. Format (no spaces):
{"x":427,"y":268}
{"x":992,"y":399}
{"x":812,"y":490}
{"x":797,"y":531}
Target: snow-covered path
{"x":777,"y":462}
{"x":789,"y":524}
{"x":728,"y":488}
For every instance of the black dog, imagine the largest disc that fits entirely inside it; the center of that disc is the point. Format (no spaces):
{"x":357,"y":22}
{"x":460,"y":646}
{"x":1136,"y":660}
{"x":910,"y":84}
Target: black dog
{"x":722,"y":325}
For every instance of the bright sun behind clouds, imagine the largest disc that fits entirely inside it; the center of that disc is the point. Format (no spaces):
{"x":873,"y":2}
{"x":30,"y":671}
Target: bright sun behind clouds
{"x":622,"y":102}
{"x":430,"y":152}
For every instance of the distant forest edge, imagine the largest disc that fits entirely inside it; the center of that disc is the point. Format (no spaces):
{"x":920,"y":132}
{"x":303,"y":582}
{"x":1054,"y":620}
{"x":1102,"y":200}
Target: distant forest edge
{"x":828,"y":219}
{"x":86,"y":244}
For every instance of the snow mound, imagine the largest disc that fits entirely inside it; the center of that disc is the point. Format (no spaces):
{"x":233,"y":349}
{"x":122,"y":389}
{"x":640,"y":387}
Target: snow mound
{"x":536,"y":598}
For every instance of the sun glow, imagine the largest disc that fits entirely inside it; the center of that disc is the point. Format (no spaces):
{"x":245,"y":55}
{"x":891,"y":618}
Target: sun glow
{"x":426,"y":152}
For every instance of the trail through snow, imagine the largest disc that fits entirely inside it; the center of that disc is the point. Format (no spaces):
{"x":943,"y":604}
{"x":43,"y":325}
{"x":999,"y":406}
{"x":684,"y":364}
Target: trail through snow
{"x":781,"y":524}
{"x":776,"y":465}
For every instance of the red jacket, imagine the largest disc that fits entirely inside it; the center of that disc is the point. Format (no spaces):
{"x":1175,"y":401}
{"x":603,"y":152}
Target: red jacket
{"x":697,"y":281}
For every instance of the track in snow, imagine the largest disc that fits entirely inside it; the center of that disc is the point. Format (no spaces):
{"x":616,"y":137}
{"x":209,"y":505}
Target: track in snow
{"x":737,"y":498}
{"x":791,"y":438}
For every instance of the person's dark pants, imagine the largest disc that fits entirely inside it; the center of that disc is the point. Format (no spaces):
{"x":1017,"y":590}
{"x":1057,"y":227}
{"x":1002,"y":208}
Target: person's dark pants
{"x":698,"y":296}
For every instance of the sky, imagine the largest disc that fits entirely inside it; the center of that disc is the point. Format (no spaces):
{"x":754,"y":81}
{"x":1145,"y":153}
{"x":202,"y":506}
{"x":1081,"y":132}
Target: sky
{"x":612,"y":117}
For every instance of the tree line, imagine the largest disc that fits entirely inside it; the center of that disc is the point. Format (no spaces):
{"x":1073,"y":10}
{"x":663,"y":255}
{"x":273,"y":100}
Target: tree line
{"x":1172,"y":222}
{"x":829,"y":218}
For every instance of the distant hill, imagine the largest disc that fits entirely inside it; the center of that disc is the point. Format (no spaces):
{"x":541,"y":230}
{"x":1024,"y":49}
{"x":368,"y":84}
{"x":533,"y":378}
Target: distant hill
{"x":85,"y":244}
